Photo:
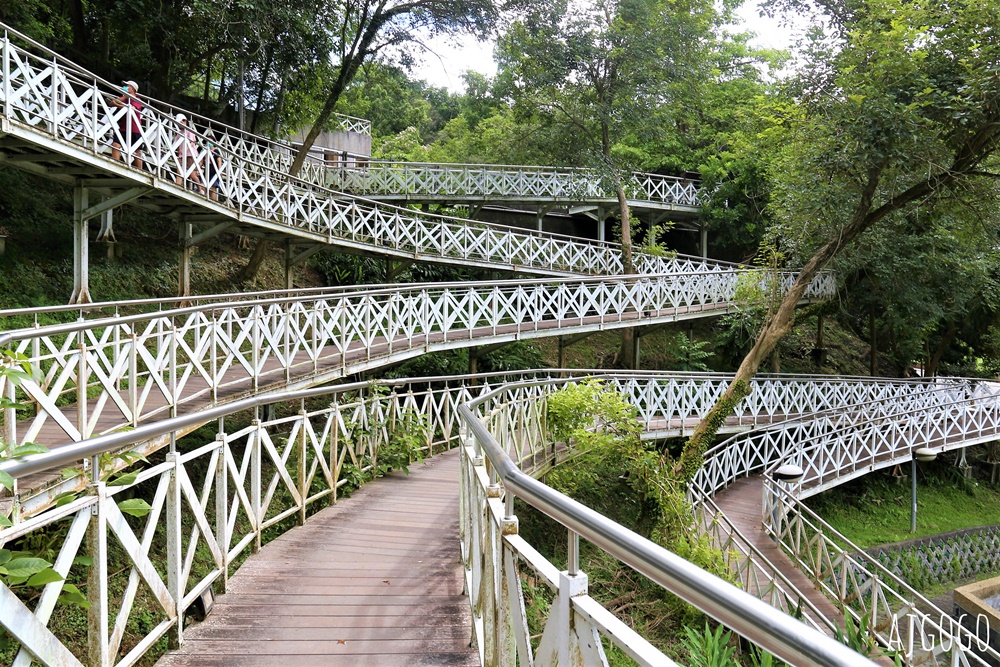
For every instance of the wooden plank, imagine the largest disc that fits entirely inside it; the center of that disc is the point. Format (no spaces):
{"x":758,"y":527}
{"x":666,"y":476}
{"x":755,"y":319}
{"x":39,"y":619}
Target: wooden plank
{"x":380,"y":595}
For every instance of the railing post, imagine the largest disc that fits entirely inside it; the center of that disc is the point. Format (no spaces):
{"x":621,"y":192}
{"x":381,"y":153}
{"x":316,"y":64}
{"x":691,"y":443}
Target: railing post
{"x":97,"y":577}
{"x":6,"y":76}
{"x":255,"y":474}
{"x":303,"y":444}
{"x":334,"y":454}
{"x":81,"y":388}
{"x":572,"y":583}
{"x":213,"y":358}
{"x":173,"y":369}
{"x":175,"y":555}
{"x":10,"y":417}
{"x":222,"y":502}
{"x":255,"y":336}
{"x":509,"y":584}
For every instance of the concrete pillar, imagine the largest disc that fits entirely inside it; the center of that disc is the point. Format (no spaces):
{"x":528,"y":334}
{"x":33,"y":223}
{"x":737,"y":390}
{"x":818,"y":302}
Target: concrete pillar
{"x":184,"y":260}
{"x":600,"y":223}
{"x":704,"y":241}
{"x":81,"y":248}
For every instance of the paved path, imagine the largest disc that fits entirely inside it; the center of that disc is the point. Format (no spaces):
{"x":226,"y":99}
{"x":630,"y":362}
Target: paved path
{"x":375,"y":580}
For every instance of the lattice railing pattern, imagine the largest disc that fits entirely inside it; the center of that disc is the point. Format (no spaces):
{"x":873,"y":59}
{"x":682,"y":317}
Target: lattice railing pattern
{"x":942,"y":558}
{"x":66,"y":109}
{"x":130,"y":369}
{"x":836,"y":445}
{"x":752,"y":570}
{"x":864,"y":589}
{"x":212,"y":504}
{"x":475,"y":181}
{"x":961,"y":412}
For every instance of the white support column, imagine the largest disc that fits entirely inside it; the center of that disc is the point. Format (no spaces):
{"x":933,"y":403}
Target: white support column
{"x":704,"y":240}
{"x":600,"y":223}
{"x":81,"y":248}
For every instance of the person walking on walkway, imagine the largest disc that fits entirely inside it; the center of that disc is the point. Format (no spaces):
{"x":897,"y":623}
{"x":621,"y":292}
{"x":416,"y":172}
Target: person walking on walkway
{"x":129,"y":124}
{"x":187,"y":152}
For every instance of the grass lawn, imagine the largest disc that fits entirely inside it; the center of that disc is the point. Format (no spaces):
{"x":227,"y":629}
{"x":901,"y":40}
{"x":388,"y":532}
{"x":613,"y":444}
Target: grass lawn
{"x":875,"y":509}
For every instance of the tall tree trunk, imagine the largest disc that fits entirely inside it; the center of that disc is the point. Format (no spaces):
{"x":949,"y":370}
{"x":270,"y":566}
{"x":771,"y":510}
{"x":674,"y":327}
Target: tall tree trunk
{"x":628,"y":356}
{"x":260,"y":90}
{"x":360,"y":49}
{"x":81,"y":36}
{"x":208,"y":82}
{"x":873,"y":342}
{"x":278,"y":108}
{"x":942,"y":346}
{"x":967,"y":157}
{"x":249,"y":271}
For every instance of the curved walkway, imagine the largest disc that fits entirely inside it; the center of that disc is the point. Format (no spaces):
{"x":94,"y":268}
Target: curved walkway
{"x":387,"y":593}
{"x":741,"y":503}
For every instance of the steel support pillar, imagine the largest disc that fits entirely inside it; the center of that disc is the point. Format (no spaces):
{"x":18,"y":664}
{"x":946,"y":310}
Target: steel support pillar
{"x":184,"y":263}
{"x":81,"y":248}
{"x":106,"y":233}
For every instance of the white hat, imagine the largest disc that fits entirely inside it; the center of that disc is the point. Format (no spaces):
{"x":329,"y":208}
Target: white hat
{"x":180,"y":118}
{"x":132,"y":84}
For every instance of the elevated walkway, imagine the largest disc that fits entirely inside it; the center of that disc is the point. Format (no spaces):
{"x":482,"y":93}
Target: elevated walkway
{"x":61,"y":122}
{"x":574,"y":193}
{"x":374,"y":581}
{"x":741,"y":503}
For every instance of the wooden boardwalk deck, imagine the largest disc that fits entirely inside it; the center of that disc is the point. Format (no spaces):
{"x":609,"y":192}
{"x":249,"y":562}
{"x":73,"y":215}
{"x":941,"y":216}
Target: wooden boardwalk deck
{"x":741,"y":502}
{"x":374,"y":580}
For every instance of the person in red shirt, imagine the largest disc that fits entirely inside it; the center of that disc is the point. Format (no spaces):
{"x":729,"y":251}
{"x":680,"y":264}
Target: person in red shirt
{"x":130,"y":124}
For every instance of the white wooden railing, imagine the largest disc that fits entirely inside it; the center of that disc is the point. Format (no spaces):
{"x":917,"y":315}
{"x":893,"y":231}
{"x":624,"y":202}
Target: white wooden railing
{"x":60,"y":108}
{"x":474,"y":182}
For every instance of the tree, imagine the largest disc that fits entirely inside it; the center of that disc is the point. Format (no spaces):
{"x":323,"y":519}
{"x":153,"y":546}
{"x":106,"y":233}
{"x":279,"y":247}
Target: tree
{"x":600,"y":70}
{"x":898,"y":108}
{"x":366,"y":29}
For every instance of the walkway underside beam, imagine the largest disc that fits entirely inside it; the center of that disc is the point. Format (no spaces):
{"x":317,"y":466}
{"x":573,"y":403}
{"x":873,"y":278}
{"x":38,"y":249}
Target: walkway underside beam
{"x":114,"y":202}
{"x":210,"y":233}
{"x":566,"y":341}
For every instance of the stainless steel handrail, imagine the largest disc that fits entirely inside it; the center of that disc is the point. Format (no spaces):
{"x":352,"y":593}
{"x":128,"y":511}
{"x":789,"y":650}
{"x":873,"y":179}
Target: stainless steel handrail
{"x":778,"y":633}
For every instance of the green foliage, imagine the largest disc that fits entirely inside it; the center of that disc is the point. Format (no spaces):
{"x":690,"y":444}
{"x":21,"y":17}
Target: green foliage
{"x":602,"y":423}
{"x":708,"y":648}
{"x":860,"y":636}
{"x":875,"y":509}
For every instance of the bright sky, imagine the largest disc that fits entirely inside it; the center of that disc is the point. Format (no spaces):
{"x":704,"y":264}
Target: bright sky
{"x":444,"y":67}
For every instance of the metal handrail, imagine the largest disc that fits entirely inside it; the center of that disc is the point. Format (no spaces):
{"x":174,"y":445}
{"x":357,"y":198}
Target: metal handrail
{"x":112,"y":441}
{"x":787,"y":638}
